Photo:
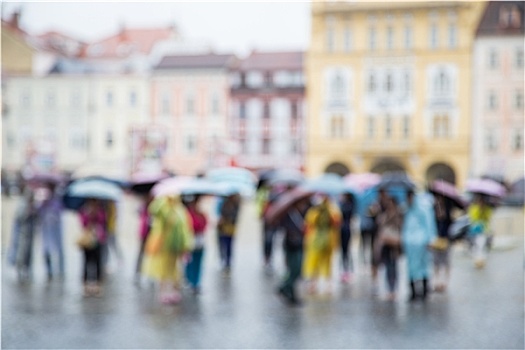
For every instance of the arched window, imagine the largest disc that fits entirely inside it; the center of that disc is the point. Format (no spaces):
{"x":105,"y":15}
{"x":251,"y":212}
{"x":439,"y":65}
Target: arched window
{"x":338,"y":85}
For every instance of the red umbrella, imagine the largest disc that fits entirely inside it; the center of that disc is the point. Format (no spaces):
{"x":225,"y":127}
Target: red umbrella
{"x":446,"y":189}
{"x":284,"y":202}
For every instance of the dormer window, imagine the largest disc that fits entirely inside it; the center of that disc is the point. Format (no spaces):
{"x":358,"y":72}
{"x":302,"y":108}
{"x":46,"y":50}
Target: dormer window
{"x":509,"y":17}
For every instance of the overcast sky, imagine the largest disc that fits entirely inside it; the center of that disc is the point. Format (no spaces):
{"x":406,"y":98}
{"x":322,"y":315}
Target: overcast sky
{"x":228,"y":26}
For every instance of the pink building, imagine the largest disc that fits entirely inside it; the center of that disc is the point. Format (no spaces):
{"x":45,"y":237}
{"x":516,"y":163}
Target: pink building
{"x":190,"y":97}
{"x":267,"y":123}
{"x":498,"y":118}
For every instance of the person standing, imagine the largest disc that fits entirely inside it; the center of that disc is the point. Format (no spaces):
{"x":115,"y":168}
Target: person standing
{"x":389,"y":242}
{"x":94,"y":223}
{"x":21,"y":251}
{"x":293,"y":226}
{"x":169,"y":241}
{"x":441,"y":246}
{"x":323,"y":224}
{"x":194,"y":265}
{"x":226,"y":228}
{"x":144,"y":229}
{"x":347,"y":207}
{"x":50,"y":214}
{"x":480,"y":214}
{"x":418,"y":231}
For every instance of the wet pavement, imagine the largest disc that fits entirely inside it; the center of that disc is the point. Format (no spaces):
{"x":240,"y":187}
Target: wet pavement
{"x":483,"y":308}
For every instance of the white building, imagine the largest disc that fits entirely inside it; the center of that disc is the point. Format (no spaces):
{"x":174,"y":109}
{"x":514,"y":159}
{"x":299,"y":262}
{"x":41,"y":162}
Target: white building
{"x":498,"y":107}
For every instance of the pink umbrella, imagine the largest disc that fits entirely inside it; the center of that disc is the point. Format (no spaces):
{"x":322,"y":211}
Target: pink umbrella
{"x":362,"y":181}
{"x":171,"y":187}
{"x":448,"y":190}
{"x":487,"y":187}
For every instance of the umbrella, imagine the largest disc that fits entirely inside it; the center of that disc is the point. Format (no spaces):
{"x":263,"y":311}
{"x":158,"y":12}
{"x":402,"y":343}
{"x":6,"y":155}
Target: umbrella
{"x":142,"y":182}
{"x":284,"y":202}
{"x":362,"y":181}
{"x":459,"y":228}
{"x":396,"y":179}
{"x":80,"y":190}
{"x":264,"y":175}
{"x":232,"y":174}
{"x":42,"y":178}
{"x":448,"y":190}
{"x":285,"y":177}
{"x":486,"y":186}
{"x":330,"y":184}
{"x":171,"y":186}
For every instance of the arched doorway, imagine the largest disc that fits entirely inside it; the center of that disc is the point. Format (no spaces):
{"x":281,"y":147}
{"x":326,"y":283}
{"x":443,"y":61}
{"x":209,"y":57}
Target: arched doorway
{"x":440,"y":171}
{"x":337,"y":168}
{"x":387,"y":164}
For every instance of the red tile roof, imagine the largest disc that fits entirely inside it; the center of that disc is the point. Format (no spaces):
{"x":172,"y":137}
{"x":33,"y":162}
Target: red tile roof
{"x":269,"y":61}
{"x":126,"y":42}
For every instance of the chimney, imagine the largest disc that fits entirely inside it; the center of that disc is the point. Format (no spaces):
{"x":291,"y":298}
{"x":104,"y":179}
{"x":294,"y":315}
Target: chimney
{"x":15,"y":20}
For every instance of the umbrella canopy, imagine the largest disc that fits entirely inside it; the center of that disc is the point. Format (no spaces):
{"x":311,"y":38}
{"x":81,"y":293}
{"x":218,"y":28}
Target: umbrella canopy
{"x":142,"y":183}
{"x":486,"y":186}
{"x":79,"y":191}
{"x":330,"y":184}
{"x":237,"y":180}
{"x":362,"y":181}
{"x":171,"y":186}
{"x":516,"y":194}
{"x":286,"y":177}
{"x":396,"y":179}
{"x":446,"y":189}
{"x":284,"y":202}
{"x":264,"y":175}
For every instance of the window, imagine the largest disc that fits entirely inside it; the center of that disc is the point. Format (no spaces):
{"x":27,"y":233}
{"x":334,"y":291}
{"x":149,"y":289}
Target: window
{"x":388,"y":127}
{"x":441,"y":126}
{"x":78,"y":141}
{"x":493,"y":61}
{"x":165,"y":103}
{"x":133,"y":98}
{"x":337,"y":87}
{"x":371,"y":127}
{"x":390,"y":38}
{"x":408,"y":37}
{"x":406,"y":127}
{"x":191,"y":144}
{"x":372,"y":38}
{"x":215,"y":108}
{"x":407,"y":82}
{"x":490,"y":142}
{"x":254,"y":79}
{"x":433,"y":36}
{"x":109,"y":98}
{"x":492,"y":101}
{"x":452,"y":36}
{"x":109,"y":139}
{"x":268,"y":79}
{"x":242,"y":110}
{"x":442,"y":83}
{"x":337,"y":126}
{"x":190,"y":105}
{"x":330,"y":34}
{"x":371,"y":83}
{"x":266,"y":110}
{"x":389,"y":83}
{"x":266,"y":146}
{"x":347,"y":44}
{"x":518,"y":100}
{"x":517,"y":141}
{"x":509,"y":16}
{"x":282,"y":78}
{"x":294,"y":105}
{"x":518,"y":61}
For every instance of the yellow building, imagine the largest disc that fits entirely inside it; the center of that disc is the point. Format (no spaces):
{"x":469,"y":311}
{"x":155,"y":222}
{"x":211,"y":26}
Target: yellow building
{"x":389,"y":88}
{"x":16,"y":55}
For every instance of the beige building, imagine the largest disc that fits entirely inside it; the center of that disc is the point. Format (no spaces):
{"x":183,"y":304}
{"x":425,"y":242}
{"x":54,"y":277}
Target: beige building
{"x":389,"y":88}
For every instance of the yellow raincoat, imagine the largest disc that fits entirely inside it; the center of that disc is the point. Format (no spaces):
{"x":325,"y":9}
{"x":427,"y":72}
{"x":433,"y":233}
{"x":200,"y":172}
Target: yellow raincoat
{"x":171,"y":236}
{"x":322,"y":237}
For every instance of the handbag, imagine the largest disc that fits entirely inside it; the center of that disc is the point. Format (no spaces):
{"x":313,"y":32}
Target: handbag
{"x":390,"y":236}
{"x":88,"y":239}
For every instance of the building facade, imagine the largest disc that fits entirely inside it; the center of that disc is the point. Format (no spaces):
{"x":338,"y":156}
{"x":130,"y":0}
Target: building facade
{"x":267,"y":125}
{"x":498,"y":118}
{"x":190,"y":97}
{"x":389,"y":88}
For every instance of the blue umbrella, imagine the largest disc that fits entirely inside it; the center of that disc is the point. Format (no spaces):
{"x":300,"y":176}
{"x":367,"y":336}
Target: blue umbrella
{"x":286,"y":177}
{"x":78,"y":191}
{"x":330,"y":184}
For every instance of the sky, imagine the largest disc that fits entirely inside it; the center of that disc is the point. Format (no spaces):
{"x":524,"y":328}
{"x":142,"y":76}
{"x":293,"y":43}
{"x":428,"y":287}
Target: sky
{"x":236,"y":27}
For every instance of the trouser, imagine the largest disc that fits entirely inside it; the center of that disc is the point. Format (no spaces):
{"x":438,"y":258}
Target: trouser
{"x":93,"y":264}
{"x":346,"y":249}
{"x":294,"y":261}
{"x":479,"y":251}
{"x":24,"y":254}
{"x":194,"y":267}
{"x":367,"y":244}
{"x":140,"y":257}
{"x":389,"y":259}
{"x":48,"y":257}
{"x":268,"y":237}
{"x":225,"y":248}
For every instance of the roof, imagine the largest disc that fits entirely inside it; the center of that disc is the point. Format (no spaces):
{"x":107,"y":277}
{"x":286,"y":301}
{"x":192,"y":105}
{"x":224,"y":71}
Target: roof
{"x":127,"y":42}
{"x":197,"y":61}
{"x":497,"y":20}
{"x":290,"y":60}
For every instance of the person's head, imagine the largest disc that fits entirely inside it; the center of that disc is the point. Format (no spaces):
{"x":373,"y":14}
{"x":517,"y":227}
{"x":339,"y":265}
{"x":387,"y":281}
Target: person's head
{"x":348,"y":197}
{"x":410,"y":197}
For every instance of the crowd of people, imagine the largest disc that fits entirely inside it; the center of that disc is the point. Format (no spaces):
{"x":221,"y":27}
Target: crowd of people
{"x":315,"y":229}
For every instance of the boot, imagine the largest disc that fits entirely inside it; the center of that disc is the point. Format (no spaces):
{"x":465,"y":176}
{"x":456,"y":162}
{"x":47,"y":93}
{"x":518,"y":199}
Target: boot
{"x":425,"y":289}
{"x":413,"y":295}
